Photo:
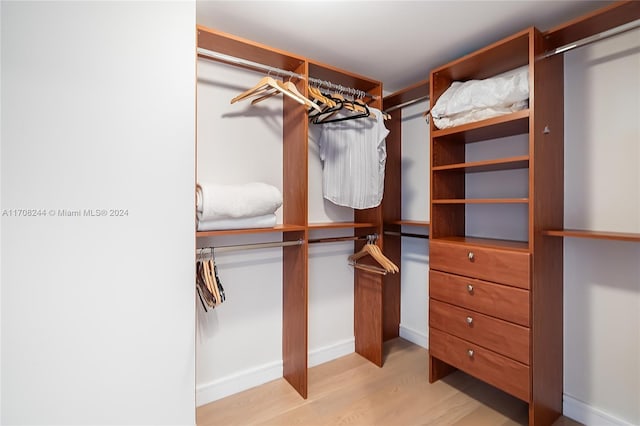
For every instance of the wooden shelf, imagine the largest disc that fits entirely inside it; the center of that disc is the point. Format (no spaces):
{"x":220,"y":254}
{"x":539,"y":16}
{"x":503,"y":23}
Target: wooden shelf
{"x":515,"y":123}
{"x":277,"y":228}
{"x":496,"y":58}
{"x":483,"y":201}
{"x":424,"y":224}
{"x":330,"y":73}
{"x":416,"y":91}
{"x":234,"y":46}
{"x":487,"y":242}
{"x":600,"y":235}
{"x":520,"y":162}
{"x":593,"y":23}
{"x":339,"y":225}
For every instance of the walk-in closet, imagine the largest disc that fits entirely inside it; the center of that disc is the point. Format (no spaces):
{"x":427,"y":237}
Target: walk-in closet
{"x":222,"y":212}
{"x":471,"y":211}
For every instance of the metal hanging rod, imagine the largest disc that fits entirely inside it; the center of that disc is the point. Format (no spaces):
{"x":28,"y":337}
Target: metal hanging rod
{"x":341,"y":239}
{"x":269,"y":69}
{"x":239,"y":61}
{"x":596,"y":37}
{"x":406,"y":234}
{"x":252,"y":246}
{"x":340,"y":88}
{"x":407,"y":103}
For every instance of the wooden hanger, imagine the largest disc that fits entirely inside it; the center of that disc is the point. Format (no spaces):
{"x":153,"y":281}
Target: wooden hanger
{"x":203,"y":285}
{"x":317,"y":94}
{"x":206,"y":297}
{"x":268,"y":87}
{"x":206,"y":275}
{"x":384,"y":260}
{"x":213,"y":281}
{"x":371,"y":249}
{"x":366,"y":251}
{"x":291,"y":88}
{"x":265,"y":85}
{"x":361,"y":106}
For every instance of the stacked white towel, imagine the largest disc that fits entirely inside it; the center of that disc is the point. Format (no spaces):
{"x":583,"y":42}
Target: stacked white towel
{"x":251,"y":205}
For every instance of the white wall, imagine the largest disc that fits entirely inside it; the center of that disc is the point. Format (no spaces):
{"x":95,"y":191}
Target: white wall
{"x":98,"y":312}
{"x":602,"y":192}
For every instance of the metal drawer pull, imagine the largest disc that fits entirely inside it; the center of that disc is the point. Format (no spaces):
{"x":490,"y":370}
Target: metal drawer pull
{"x":469,"y":320}
{"x":471,"y":256}
{"x":470,"y":288}
{"x":470,"y":353}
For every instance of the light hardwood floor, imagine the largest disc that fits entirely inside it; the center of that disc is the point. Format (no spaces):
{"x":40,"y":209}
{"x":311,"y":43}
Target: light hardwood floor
{"x":352,"y":391}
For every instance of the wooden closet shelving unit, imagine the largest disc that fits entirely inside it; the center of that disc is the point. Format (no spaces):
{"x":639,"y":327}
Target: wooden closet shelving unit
{"x":517,"y":284}
{"x":468,"y":274}
{"x":522,"y":358}
{"x":368,"y":286}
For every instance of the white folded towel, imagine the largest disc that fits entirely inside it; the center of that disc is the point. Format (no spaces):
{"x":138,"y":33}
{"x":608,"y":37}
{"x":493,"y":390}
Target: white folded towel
{"x":217,"y":201}
{"x":263,"y":221}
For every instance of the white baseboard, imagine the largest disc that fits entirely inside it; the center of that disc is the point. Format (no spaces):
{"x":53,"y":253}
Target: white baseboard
{"x":331,"y":352}
{"x":588,"y":415}
{"x":250,"y":378}
{"x":237,"y":382}
{"x":420,"y":338}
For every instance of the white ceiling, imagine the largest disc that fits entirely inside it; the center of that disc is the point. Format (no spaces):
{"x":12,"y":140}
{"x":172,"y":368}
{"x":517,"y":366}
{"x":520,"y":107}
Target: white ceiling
{"x":396,"y":42}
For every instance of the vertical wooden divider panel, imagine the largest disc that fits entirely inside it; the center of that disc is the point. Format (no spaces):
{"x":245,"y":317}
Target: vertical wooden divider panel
{"x":547,"y":189}
{"x":295,"y":259}
{"x":368,"y":286}
{"x":391,"y":211}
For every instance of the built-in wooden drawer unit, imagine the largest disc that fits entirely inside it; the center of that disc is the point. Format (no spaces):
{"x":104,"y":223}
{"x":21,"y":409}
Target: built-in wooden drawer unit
{"x":502,"y":266}
{"x":504,"y":373}
{"x":501,"y":301}
{"x":506,"y":338}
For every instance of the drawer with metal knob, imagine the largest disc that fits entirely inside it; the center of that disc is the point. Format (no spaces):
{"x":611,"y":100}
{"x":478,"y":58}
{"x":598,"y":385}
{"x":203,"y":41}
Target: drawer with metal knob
{"x":504,"y":266}
{"x":501,"y":301}
{"x":502,"y":372}
{"x":500,"y":336}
